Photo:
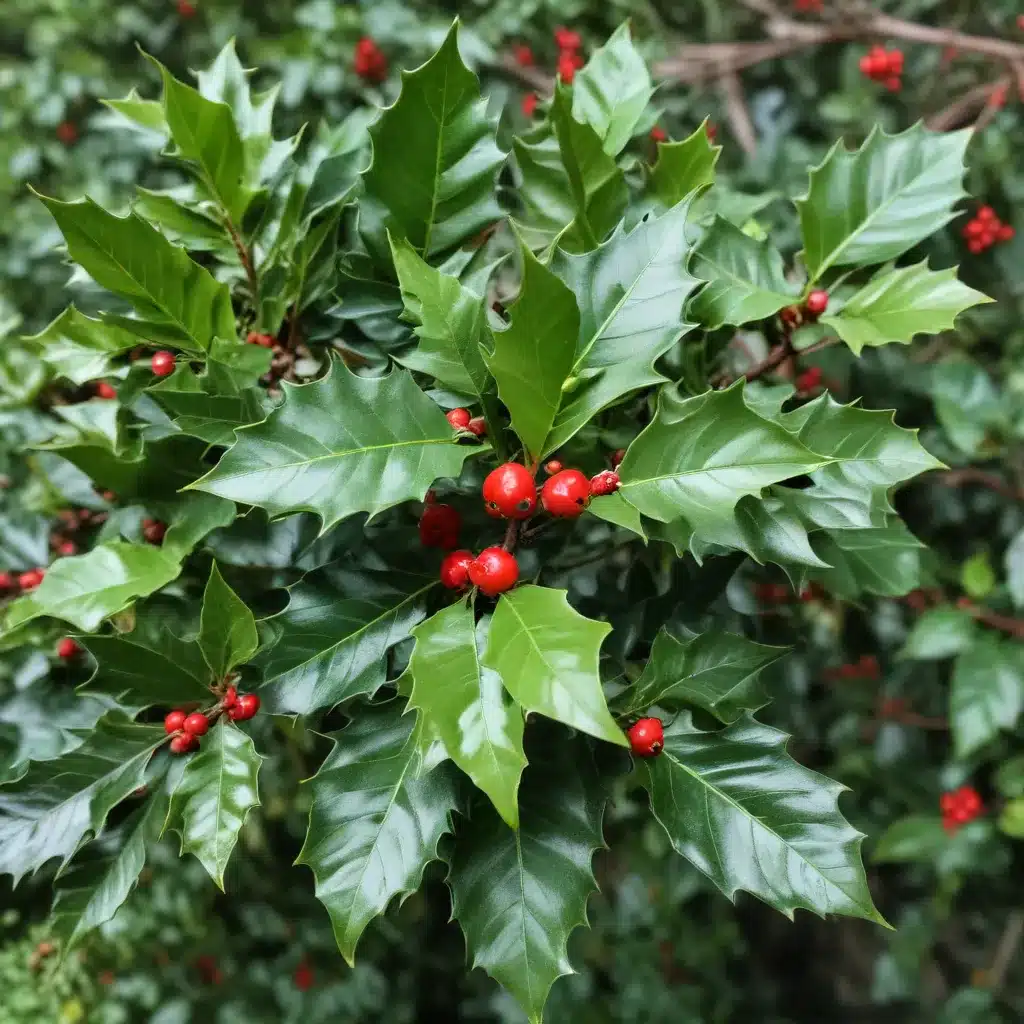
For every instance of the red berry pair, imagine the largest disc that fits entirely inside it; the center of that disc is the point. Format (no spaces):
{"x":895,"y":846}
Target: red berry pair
{"x":31,"y":579}
{"x":460,"y":419}
{"x":814,"y":305}
{"x":439,"y":527}
{"x":370,"y":64}
{"x":646,"y":737}
{"x":494,"y":571}
{"x":984,"y":229}
{"x":885,"y":66}
{"x":959,"y":807}
{"x":570,"y":60}
{"x":263,"y":340}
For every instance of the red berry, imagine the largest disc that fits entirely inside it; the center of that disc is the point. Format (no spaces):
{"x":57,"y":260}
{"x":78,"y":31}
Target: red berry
{"x":153,"y":530}
{"x":647,"y":737}
{"x":1006,"y":233}
{"x":510,"y":492}
{"x":6,"y":581}
{"x":552,"y":467}
{"x":31,"y":579}
{"x":67,"y":548}
{"x":973,"y":228}
{"x":174,"y":720}
{"x":567,"y":67}
{"x":658,"y":134}
{"x":186,"y":9}
{"x":894,"y":60}
{"x":566,"y":494}
{"x":458,"y":418}
{"x":230,"y":698}
{"x":893,"y":84}
{"x":567,"y":39}
{"x":247,"y":706}
{"x":530,"y":101}
{"x":867,"y":65}
{"x":477,"y":425}
{"x":455,"y":570}
{"x":523,"y":55}
{"x":790,"y":316}
{"x":439,"y":527}
{"x":263,"y":340}
{"x":494,"y":571}
{"x":605,"y":482}
{"x":809,"y":379}
{"x":986,"y":213}
{"x":303,"y":977}
{"x":67,"y":649}
{"x":183,"y":743}
{"x":162,"y":363}
{"x":370,"y":64}
{"x":104,"y":390}
{"x":817,"y":302}
{"x":997,"y":98}
{"x":616,"y":457}
{"x":976,"y":246}
{"x":196,"y":724}
{"x":67,"y":132}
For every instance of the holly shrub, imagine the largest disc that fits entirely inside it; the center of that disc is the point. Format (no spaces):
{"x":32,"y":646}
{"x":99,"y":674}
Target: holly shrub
{"x":438,"y":498}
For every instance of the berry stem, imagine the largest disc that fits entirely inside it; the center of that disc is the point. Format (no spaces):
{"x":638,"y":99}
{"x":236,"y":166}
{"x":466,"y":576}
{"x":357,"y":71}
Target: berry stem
{"x":495,"y":431}
{"x":781,"y":354}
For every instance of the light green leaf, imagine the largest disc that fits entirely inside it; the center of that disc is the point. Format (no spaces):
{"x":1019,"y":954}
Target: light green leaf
{"x":683,"y":167}
{"x":877,"y":202}
{"x":547,"y":656}
{"x":740,"y":809}
{"x":977,"y":576}
{"x":175,"y":214}
{"x":216,"y":791}
{"x":464,"y":703}
{"x":80,"y":348}
{"x":897,"y":304}
{"x":940,"y":633}
{"x":987,"y":693}
{"x":613,"y":508}
{"x":227,"y":629}
{"x":145,"y":114}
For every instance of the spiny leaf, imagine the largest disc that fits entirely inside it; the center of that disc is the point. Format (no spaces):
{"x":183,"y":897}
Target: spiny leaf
{"x":683,"y":167}
{"x":80,"y":348}
{"x":885,"y":561}
{"x":227,"y":630}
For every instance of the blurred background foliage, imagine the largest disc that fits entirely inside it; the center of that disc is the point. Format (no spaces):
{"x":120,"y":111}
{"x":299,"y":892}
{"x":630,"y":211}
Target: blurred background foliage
{"x":866,"y":693}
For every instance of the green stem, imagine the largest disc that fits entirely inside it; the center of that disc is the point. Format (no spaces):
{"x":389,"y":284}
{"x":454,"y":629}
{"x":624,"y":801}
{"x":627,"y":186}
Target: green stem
{"x":495,"y":431}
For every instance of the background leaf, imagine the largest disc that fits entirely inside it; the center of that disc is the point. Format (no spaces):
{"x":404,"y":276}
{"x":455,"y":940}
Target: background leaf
{"x":987,"y":692}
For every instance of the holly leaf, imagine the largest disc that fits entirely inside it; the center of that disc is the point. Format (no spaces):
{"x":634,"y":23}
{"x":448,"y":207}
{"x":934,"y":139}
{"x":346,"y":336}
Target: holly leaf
{"x":374,"y":822}
{"x":447,"y":193}
{"x":80,"y":348}
{"x":612,"y":92}
{"x":214,"y":795}
{"x":328,"y":449}
{"x":940,"y":633}
{"x":174,"y":212}
{"x":714,"y":671}
{"x":190,"y":519}
{"x":683,"y":167}
{"x":613,"y":508}
{"x":897,"y":304}
{"x":741,"y":810}
{"x":519,"y":894}
{"x":227,"y":629}
{"x":877,"y":202}
{"x":547,"y":656}
{"x":463,"y":702}
{"x":330,"y":641}
{"x":987,"y":693}
{"x":174,"y":296}
{"x":746,"y":279}
{"x":452,"y":323}
{"x":94,"y":888}
{"x":885,"y":561}
{"x":55,"y":805}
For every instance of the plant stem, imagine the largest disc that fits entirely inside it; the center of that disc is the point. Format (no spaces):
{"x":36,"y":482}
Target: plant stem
{"x":495,"y":431}
{"x":245,"y":257}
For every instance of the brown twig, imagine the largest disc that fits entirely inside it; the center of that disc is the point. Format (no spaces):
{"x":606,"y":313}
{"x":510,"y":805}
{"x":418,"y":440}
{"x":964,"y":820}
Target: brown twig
{"x":245,"y":257}
{"x":783,"y":352}
{"x":1004,"y":623}
{"x":961,"y":110}
{"x":1006,"y":950}
{"x":536,"y":79}
{"x":738,"y":113}
{"x":511,"y":535}
{"x":971,"y":475}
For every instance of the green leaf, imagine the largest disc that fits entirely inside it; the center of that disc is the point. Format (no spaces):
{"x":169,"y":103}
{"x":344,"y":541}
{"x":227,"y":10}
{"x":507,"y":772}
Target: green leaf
{"x":227,"y":630}
{"x":547,"y":656}
{"x":613,"y":508}
{"x":172,"y":294}
{"x":612,"y":92}
{"x":519,"y":894}
{"x":746,"y":278}
{"x":977,"y":576}
{"x":216,"y":791}
{"x":452,"y":323}
{"x":967,"y":403}
{"x":50,"y":810}
{"x":877,"y":202}
{"x":80,"y":348}
{"x":940,"y":633}
{"x":91,"y":891}
{"x":330,"y":642}
{"x":446,"y":193}
{"x":190,"y":518}
{"x":375,"y":822}
{"x":918,"y":839}
{"x":176,"y":216}
{"x":146,"y":114}
{"x":328,"y":450}
{"x":86,"y":589}
{"x":987,"y":692}
{"x":463,"y":702}
{"x":1014,"y":564}
{"x":683,"y":167}
{"x":714,"y":671}
{"x":701,"y":455}
{"x":741,"y":810}
{"x":885,"y":561}
{"x":897,"y":304}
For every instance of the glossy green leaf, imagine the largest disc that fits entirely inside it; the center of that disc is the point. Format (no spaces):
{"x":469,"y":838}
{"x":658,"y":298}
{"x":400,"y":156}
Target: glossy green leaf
{"x":885,"y":561}
{"x":446,"y":193}
{"x":547,"y":656}
{"x":191,"y":518}
{"x":330,"y":642}
{"x":214,"y":795}
{"x":613,"y":508}
{"x":464,"y":703}
{"x":897,"y":304}
{"x":877,"y":202}
{"x":940,"y":633}
{"x":967,"y":403}
{"x":715,"y":671}
{"x":746,"y":278}
{"x":683,"y":167}
{"x":49,"y":811}
{"x":374,"y":823}
{"x":177,"y":217}
{"x":612,"y":91}
{"x":987,"y":692}
{"x":519,"y":894}
{"x":227,"y":629}
{"x":327,"y":449}
{"x":171,"y":294}
{"x":80,"y":348}
{"x":740,"y":809}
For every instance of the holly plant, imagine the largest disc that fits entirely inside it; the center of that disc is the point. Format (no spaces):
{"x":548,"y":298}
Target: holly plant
{"x":437,"y":454}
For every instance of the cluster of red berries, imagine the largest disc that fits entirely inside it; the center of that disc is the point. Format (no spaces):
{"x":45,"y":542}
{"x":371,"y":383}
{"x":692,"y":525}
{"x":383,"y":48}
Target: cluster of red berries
{"x":186,"y":728}
{"x":809,"y":6}
{"x":646,"y":737}
{"x":460,"y":419}
{"x":814,"y":305}
{"x":23,"y":582}
{"x":570,"y":60}
{"x":370,"y":64}
{"x":885,"y":66}
{"x":984,"y":229}
{"x":959,"y":807}
{"x":866,"y":667}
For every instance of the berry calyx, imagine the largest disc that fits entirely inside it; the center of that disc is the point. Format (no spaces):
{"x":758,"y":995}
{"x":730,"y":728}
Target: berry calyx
{"x":646,"y":737}
{"x":817,"y":302}
{"x":247,"y":706}
{"x":529,"y":104}
{"x":566,"y":494}
{"x":104,"y":390}
{"x":458,"y":418}
{"x":196,"y":724}
{"x":174,"y":720}
{"x":68,"y":649}
{"x":439,"y":527}
{"x":263,"y":340}
{"x":183,"y":744}
{"x":162,"y":363}
{"x":552,"y":467}
{"x":510,"y":492}
{"x":31,"y":579}
{"x":455,"y":570}
{"x":494,"y":571}
{"x":477,"y":425}
{"x":605,"y":482}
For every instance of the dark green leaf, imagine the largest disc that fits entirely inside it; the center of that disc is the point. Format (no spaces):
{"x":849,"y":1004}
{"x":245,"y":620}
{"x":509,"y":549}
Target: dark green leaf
{"x":940,"y":633}
{"x":227,"y":630}
{"x":987,"y":693}
{"x":919,"y":839}
{"x":683,"y":167}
